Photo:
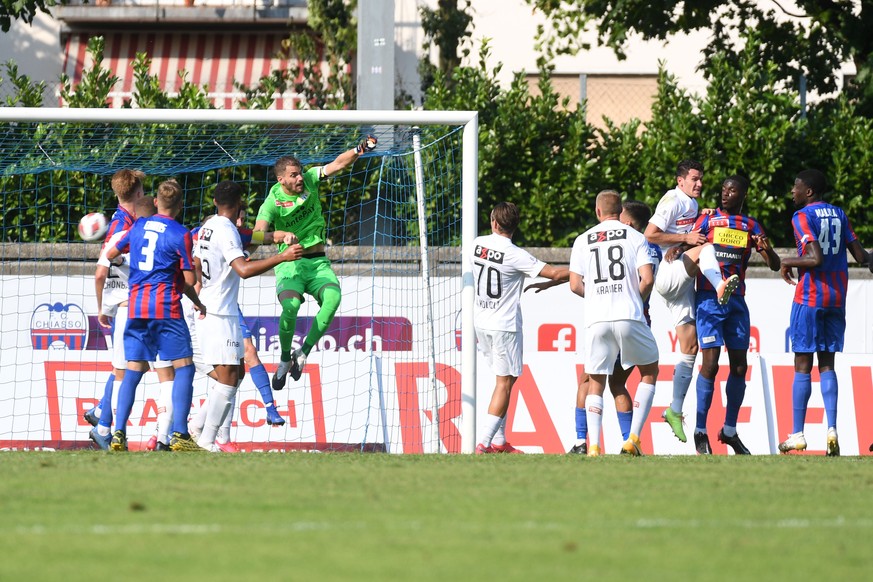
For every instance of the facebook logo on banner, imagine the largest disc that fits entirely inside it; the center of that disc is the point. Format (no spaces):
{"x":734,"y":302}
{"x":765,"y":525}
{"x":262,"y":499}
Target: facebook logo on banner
{"x":556,"y":337}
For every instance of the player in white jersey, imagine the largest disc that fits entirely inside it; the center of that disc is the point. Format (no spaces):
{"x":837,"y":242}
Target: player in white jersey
{"x":610,"y":266}
{"x":671,"y":226}
{"x":223,"y":263}
{"x":499,"y":268}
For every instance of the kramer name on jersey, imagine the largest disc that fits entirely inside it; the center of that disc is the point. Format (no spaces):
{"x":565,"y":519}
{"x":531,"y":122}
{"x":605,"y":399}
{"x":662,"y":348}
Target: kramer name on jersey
{"x":489,"y":255}
{"x":606,"y":236}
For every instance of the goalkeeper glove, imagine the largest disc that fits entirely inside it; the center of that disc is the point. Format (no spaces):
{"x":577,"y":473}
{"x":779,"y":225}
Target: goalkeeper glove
{"x":368,"y":144}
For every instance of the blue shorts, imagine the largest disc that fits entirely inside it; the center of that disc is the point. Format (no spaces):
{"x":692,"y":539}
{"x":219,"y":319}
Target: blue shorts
{"x":246,"y":332}
{"x":817,"y":329}
{"x":722,"y":325}
{"x":146,"y":340}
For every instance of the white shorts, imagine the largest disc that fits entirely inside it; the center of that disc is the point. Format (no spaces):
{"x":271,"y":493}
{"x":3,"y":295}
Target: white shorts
{"x":119,"y":362}
{"x":220,"y":340}
{"x":677,"y":288}
{"x":605,"y":340}
{"x":503,"y":350}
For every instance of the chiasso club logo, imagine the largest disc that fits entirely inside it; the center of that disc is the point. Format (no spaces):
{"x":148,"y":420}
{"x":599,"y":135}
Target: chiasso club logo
{"x":606,"y":236}
{"x":489,"y":254}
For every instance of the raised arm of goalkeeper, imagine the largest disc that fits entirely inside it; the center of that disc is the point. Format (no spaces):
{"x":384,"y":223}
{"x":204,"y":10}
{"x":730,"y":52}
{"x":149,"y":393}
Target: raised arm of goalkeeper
{"x":347,"y":158}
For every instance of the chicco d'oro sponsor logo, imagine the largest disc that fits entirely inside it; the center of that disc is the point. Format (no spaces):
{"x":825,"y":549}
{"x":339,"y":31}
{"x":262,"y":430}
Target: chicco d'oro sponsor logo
{"x":56,"y":324}
{"x":606,"y":236}
{"x":556,"y":337}
{"x":489,"y":255}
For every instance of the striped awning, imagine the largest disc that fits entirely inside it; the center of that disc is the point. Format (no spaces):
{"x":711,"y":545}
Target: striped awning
{"x":212,"y":59}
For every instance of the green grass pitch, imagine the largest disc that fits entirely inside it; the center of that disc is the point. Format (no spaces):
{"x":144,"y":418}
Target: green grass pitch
{"x":90,"y":515}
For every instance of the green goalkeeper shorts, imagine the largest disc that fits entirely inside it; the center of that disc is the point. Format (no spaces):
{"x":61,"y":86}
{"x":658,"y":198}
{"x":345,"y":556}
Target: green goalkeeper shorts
{"x":305,"y":276}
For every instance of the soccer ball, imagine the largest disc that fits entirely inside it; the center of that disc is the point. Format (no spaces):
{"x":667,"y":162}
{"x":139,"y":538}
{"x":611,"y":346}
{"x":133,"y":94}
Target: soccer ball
{"x":93,"y":226}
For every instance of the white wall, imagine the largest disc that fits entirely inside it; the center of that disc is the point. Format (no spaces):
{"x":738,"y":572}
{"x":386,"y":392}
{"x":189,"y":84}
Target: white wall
{"x":36,"y":50}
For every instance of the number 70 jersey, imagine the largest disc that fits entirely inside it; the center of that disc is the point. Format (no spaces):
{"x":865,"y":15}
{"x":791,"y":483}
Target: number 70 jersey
{"x":499,"y":271}
{"x":608,"y":257}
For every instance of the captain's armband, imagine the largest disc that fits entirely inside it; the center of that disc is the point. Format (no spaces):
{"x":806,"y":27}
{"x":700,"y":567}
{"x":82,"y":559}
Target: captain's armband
{"x":258,"y":237}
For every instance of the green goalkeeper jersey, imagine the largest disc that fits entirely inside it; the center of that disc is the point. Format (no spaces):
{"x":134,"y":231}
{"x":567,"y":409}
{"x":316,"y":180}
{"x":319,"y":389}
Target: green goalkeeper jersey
{"x":298,"y":214}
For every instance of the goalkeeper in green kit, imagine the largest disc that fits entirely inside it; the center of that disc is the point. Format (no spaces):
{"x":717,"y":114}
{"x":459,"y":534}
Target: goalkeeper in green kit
{"x":294,"y":205}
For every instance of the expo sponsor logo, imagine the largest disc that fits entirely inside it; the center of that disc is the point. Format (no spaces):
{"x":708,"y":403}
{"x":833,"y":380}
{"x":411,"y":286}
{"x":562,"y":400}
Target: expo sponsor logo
{"x":556,"y":337}
{"x":489,"y":254}
{"x":606,"y":236}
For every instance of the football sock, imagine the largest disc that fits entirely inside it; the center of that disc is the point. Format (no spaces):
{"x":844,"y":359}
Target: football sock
{"x":801,"y":389}
{"x":287,"y":324}
{"x":709,"y":266}
{"x":328,"y":306}
{"x":594,"y":410}
{"x":682,"y":373}
{"x":106,"y":399}
{"x":199,"y":419}
{"x":642,"y":406}
{"x":500,"y":434}
{"x":489,"y":427}
{"x":183,"y":392}
{"x":624,"y":423}
{"x":729,"y":430}
{"x":705,"y":388}
{"x":106,"y":403}
{"x":262,"y":382}
{"x":223,"y":435}
{"x":581,"y":424}
{"x":735,"y":391}
{"x":829,"y":392}
{"x":165,"y":411}
{"x":217,"y":407}
{"x":126,"y":394}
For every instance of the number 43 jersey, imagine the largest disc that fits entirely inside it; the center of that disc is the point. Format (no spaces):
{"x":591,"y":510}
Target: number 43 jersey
{"x":608,"y":257}
{"x":825,"y":285}
{"x":499,"y":270}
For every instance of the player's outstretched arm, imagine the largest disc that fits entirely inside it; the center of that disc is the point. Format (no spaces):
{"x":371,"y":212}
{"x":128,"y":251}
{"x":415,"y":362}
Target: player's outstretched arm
{"x":647,"y":280}
{"x":347,"y":158}
{"x":556,"y":276}
{"x":246,"y":269}
{"x":190,"y":293}
{"x":812,"y":257}
{"x":577,"y":284}
{"x":100,"y":276}
{"x":858,"y":252}
{"x":766,"y":251}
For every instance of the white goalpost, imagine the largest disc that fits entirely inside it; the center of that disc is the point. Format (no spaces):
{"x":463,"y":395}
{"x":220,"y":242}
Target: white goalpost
{"x":396,"y":370}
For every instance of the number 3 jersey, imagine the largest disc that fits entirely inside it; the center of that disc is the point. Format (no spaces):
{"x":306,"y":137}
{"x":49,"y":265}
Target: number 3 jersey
{"x":608,"y":257}
{"x":825,"y":285}
{"x":160,"y":249}
{"x":499,"y":271}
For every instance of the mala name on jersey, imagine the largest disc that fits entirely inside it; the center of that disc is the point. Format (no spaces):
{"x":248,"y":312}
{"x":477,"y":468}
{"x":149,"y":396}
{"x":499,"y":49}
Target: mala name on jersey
{"x":605,"y":236}
{"x":489,"y":255}
{"x":730,"y":242}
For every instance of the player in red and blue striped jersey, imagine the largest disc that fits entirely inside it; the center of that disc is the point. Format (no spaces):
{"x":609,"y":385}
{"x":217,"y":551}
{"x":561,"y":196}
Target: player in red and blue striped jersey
{"x":818,"y":315}
{"x":161,"y":270}
{"x":127,"y":185}
{"x":733,"y":235}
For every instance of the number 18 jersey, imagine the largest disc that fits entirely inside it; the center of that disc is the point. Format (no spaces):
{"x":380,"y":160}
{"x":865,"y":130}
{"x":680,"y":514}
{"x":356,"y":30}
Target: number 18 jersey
{"x":608,"y":257}
{"x":499,"y":269}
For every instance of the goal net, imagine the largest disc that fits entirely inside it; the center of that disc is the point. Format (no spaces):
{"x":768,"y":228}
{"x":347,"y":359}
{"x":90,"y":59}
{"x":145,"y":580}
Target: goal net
{"x":386,"y":376}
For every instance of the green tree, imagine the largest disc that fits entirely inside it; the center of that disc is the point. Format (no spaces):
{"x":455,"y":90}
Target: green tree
{"x":812,"y":40}
{"x":25,"y":10}
{"x":447,"y":28}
